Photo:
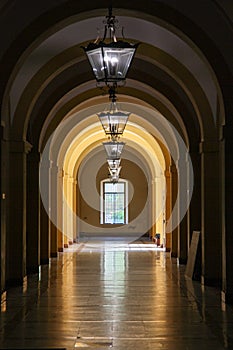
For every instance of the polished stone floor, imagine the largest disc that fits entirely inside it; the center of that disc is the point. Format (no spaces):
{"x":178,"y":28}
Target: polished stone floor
{"x":114,"y":296}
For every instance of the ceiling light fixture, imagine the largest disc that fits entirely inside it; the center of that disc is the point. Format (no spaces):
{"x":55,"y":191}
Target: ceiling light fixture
{"x":113,"y":149}
{"x":114,"y":174}
{"x":113,"y":163}
{"x":113,"y":120}
{"x":110,"y":59}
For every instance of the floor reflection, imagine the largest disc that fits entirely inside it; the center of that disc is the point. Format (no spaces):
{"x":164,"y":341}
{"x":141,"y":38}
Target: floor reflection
{"x":123,"y":296}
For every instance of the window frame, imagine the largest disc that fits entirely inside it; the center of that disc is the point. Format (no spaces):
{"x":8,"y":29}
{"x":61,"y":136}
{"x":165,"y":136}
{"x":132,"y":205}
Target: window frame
{"x":102,"y":202}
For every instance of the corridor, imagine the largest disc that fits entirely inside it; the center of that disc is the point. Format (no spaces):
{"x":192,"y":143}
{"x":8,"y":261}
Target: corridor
{"x":114,"y":296}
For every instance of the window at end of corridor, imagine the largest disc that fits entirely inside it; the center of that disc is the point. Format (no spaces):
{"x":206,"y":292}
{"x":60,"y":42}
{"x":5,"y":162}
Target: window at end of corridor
{"x":113,"y":202}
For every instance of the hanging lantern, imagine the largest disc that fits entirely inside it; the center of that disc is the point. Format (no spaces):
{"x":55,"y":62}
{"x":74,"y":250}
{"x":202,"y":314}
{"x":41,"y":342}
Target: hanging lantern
{"x":114,"y":174}
{"x":114,"y":179}
{"x":112,"y":119}
{"x":113,"y":163}
{"x":111,"y":60}
{"x":113,"y":149}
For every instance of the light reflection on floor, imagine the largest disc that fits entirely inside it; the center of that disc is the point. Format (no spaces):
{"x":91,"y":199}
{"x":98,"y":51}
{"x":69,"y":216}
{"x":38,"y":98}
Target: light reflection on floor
{"x":110,"y":295}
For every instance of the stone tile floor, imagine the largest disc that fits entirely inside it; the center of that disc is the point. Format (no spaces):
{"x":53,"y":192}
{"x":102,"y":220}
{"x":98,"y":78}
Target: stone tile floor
{"x":114,"y":296}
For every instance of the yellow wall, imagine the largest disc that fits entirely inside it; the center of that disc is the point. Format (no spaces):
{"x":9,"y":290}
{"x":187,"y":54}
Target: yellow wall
{"x":138,"y":182}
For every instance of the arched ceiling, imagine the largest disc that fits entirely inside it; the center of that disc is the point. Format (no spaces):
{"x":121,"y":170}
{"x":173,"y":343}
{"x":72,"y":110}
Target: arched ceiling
{"x":47,"y":75}
{"x":81,"y":131}
{"x":136,"y":138}
{"x":168,"y":62}
{"x":84,"y":30}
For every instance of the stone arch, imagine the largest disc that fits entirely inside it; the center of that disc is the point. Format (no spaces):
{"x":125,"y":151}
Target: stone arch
{"x":211,"y":51}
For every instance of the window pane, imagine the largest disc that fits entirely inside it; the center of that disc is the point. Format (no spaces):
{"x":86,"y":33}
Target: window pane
{"x":120,"y":187}
{"x":114,"y":187}
{"x":114,"y":203}
{"x":109,"y":187}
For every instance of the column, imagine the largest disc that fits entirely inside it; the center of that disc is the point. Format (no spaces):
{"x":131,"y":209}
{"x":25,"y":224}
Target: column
{"x":168,"y":208}
{"x":195,"y":204}
{"x":160,"y":206}
{"x":183,"y":198}
{"x":195,"y":209}
{"x":44,"y":236}
{"x":65,"y":210}
{"x":183,"y":239}
{"x":3,"y":203}
{"x":227,"y":204}
{"x":45,"y":242}
{"x":210,"y":214}
{"x":78,"y":212}
{"x":152,"y":190}
{"x":16,"y":235}
{"x":53,"y":208}
{"x":74,"y":210}
{"x":174,"y":195}
{"x":70,"y":217}
{"x":33,"y":212}
{"x":60,"y":242}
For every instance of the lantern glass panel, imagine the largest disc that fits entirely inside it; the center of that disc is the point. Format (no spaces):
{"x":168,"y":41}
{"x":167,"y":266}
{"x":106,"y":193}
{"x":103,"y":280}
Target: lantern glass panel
{"x":117,"y":62}
{"x":113,"y":149}
{"x":110,"y":64}
{"x":113,"y":121}
{"x":115,"y":172}
{"x":113,"y":163}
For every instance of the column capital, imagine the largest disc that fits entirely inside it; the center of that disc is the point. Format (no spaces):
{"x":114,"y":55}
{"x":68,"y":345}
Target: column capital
{"x":53,"y":167}
{"x":167,"y":173}
{"x":70,"y":179}
{"x":60,"y":173}
{"x":173,"y":168}
{"x":65,"y":176}
{"x":20,"y":147}
{"x":208,"y":146}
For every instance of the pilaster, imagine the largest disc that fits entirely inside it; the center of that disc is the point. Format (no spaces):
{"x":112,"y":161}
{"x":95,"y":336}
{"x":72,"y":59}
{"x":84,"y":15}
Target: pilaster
{"x":53,"y":208}
{"x":60,"y":243}
{"x":195,"y":209}
{"x":174,"y":195}
{"x":33,"y":212}
{"x":45,"y":239}
{"x":16,"y":235}
{"x":74,"y":210}
{"x":153,"y":207}
{"x":4,"y":185}
{"x":226,"y":149}
{"x":210,"y":214}
{"x":168,"y":208}
{"x":183,"y":167}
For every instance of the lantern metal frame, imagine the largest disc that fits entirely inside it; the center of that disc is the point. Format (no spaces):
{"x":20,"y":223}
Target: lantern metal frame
{"x":110,"y":59}
{"x":112,"y":119}
{"x":113,"y":149}
{"x":115,"y":172}
{"x":114,"y":179}
{"x":114,"y":163}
